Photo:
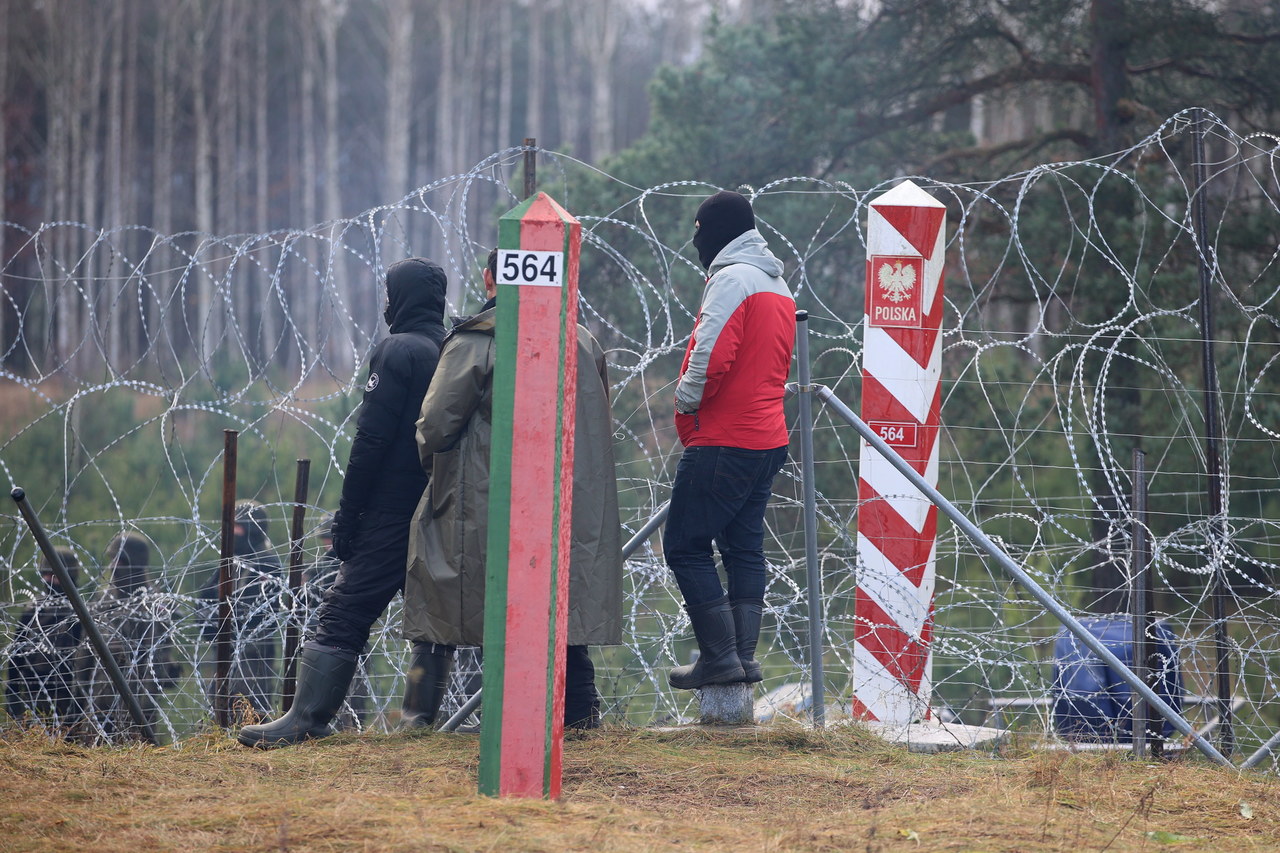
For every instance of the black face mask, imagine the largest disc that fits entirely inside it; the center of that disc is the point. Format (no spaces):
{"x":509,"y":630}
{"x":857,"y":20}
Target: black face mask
{"x":721,"y":219}
{"x":702,"y":242}
{"x":243,"y":545}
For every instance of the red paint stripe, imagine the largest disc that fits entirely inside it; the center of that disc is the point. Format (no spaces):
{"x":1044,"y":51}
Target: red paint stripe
{"x":919,"y":343}
{"x":532,"y":525}
{"x":860,"y":711}
{"x":531,"y":666}
{"x":918,"y":225}
{"x":894,"y":537}
{"x":879,"y":404}
{"x":879,"y":633}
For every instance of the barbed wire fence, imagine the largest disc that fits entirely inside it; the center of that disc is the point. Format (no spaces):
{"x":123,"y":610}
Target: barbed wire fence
{"x":1071,"y":336}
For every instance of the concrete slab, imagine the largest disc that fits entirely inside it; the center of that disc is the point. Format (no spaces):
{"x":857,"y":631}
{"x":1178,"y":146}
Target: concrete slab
{"x":934,"y":736}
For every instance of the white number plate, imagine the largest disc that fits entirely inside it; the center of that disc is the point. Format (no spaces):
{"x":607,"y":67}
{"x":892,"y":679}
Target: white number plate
{"x":523,"y":266}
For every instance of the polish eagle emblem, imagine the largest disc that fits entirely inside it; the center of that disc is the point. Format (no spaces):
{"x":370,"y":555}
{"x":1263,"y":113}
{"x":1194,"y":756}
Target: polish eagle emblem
{"x":896,"y":280}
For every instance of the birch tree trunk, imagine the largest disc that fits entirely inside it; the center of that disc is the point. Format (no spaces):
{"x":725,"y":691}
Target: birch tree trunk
{"x":111,"y":306}
{"x":331,"y":15}
{"x":506,"y":86}
{"x":310,"y":61}
{"x":535,"y":83}
{"x":5,"y":55}
{"x":446,"y":129}
{"x":305,"y":312}
{"x":597,"y":33}
{"x":565,"y":80}
{"x":400,"y":26}
{"x":202,"y":317}
{"x":400,"y":21}
{"x":262,"y":183}
{"x":87,"y":142}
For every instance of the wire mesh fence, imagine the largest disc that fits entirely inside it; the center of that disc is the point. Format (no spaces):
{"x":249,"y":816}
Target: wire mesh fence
{"x":1072,"y":335}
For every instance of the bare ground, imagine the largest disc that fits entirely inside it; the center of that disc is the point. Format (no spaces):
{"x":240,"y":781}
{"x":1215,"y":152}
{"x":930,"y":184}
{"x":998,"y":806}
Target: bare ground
{"x":769,"y":789}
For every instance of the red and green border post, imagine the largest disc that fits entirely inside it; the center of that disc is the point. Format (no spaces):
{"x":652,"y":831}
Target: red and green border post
{"x":530,"y":501}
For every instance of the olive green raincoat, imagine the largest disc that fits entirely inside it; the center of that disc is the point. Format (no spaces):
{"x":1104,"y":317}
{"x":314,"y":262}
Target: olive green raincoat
{"x":444,"y":588}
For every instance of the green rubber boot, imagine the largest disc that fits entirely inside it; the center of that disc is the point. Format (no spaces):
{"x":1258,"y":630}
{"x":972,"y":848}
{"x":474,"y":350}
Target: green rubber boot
{"x":425,"y":685}
{"x":324,"y":674}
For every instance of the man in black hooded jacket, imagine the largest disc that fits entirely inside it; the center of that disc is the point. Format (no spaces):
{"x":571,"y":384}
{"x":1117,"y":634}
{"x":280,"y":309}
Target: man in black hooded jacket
{"x":383,"y":484}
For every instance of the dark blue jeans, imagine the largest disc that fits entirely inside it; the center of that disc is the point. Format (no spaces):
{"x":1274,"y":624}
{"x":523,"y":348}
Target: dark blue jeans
{"x":719,"y":496}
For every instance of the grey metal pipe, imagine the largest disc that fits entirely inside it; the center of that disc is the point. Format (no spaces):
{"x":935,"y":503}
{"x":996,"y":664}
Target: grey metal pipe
{"x":813,"y":574}
{"x":1017,"y":573}
{"x":462,"y":713}
{"x":654,"y":522}
{"x":99,"y":645}
{"x":1263,"y":751}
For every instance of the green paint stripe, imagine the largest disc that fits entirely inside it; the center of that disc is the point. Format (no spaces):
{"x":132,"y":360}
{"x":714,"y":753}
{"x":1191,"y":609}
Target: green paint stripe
{"x":499,"y":533}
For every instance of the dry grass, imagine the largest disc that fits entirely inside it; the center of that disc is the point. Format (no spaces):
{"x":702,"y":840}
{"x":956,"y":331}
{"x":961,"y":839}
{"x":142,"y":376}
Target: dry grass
{"x":764,"y":790}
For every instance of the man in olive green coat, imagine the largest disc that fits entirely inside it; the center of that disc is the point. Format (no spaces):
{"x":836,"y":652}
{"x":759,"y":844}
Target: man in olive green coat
{"x":444,"y":589}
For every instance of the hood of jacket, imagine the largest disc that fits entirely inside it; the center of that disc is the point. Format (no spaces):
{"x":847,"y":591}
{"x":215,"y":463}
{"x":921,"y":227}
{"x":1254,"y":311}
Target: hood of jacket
{"x":415,"y":295}
{"x":748,"y":248}
{"x":484,"y":322}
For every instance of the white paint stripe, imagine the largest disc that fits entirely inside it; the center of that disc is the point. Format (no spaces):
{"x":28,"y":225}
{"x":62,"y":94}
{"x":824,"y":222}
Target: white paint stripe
{"x":887,"y":482}
{"x":932,"y":276}
{"x":910,"y":384}
{"x":888,"y":587}
{"x":884,"y":239}
{"x":885,"y":696}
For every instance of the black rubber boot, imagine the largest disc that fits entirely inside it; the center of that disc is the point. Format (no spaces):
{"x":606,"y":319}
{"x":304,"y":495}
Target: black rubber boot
{"x":324,"y":674}
{"x":717,"y":661}
{"x":581,"y":699}
{"x":746,"y":624}
{"x":425,"y":685}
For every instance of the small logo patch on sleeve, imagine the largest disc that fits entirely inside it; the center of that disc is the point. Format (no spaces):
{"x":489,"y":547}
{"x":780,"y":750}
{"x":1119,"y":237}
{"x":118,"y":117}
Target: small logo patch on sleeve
{"x":372,"y":383}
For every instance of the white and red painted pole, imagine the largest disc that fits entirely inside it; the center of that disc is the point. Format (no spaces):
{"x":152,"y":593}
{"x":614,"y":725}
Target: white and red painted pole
{"x":901,"y":399}
{"x":530,"y":501}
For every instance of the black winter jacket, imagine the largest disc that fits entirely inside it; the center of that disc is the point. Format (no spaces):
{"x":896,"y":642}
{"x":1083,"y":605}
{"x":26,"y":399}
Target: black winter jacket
{"x":384,"y":474}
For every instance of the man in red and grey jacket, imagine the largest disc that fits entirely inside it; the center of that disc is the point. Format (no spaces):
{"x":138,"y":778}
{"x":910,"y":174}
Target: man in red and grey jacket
{"x":730,"y":420}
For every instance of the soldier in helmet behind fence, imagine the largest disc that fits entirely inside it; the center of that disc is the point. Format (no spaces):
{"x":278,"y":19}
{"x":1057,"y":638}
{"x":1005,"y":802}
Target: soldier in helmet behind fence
{"x":137,"y":624}
{"x":42,"y":656}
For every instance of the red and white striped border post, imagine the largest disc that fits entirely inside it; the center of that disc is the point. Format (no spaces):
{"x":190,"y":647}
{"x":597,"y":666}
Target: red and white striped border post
{"x":901,"y":398}
{"x":530,"y":501}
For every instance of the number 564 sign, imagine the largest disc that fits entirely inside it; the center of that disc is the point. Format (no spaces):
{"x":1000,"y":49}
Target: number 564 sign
{"x":525,"y":266}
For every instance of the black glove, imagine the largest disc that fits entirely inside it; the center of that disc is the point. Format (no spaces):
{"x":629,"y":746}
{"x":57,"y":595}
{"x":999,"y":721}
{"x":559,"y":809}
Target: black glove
{"x":344,"y":529}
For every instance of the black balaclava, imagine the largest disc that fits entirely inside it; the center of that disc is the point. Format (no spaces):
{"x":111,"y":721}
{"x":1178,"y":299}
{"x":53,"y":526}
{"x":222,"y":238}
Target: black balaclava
{"x":252,"y":516}
{"x":69,"y":561}
{"x":415,"y":295}
{"x":721,"y":219}
{"x":129,"y":557}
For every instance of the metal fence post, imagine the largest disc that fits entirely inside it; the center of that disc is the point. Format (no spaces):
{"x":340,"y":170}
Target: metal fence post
{"x":291,"y":631}
{"x":813,"y":570}
{"x":226,"y":583}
